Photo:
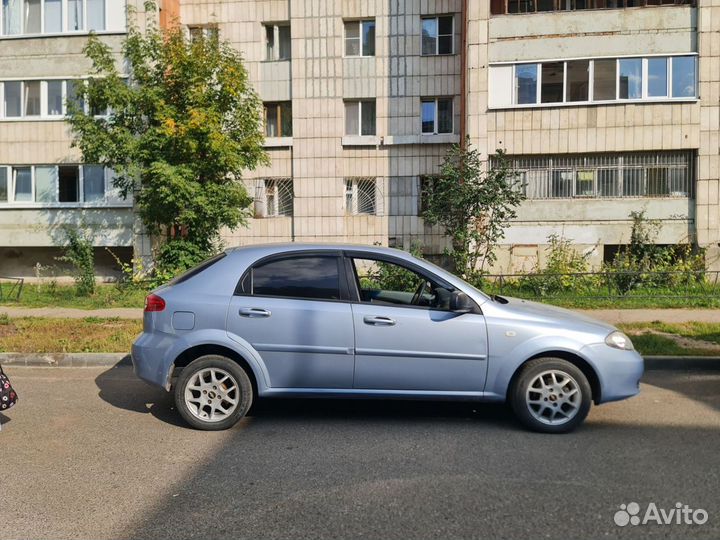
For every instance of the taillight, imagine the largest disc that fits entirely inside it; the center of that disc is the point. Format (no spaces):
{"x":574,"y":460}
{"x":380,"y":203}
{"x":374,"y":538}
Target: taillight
{"x":153,"y":302}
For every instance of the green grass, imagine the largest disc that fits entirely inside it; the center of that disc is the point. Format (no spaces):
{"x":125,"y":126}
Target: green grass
{"x":639,"y":299}
{"x":106,"y":296}
{"x":43,"y":335}
{"x":649,"y":343}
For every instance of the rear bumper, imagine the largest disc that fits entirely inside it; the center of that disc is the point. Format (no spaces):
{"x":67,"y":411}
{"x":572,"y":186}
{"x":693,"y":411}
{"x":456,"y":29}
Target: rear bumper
{"x":619,"y":372}
{"x":148,"y":358}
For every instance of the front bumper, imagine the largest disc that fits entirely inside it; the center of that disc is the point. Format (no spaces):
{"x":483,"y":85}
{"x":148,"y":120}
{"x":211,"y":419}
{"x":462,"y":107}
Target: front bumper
{"x":618,"y":371}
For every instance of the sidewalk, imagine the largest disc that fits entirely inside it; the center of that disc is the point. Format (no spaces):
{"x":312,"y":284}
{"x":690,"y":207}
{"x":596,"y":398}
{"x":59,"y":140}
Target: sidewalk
{"x":612,"y":316}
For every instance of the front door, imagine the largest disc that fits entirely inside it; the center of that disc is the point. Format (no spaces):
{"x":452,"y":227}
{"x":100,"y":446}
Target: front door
{"x":293,"y":315}
{"x":406,"y":337}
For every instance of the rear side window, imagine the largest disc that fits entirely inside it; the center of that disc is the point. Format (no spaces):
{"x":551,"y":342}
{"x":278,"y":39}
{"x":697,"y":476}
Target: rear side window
{"x":312,"y":277}
{"x":197,"y":269}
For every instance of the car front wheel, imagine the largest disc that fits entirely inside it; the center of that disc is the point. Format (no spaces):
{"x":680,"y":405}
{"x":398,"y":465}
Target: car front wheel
{"x":213,"y":392}
{"x":551,"y":395}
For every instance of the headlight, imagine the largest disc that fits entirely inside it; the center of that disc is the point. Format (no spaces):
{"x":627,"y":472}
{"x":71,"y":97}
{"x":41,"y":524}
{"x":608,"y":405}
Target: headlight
{"x":618,"y":340}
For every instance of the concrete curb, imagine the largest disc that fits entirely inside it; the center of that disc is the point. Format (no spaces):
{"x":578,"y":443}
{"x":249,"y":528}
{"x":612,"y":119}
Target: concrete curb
{"x":65,"y":359}
{"x":122,"y":359}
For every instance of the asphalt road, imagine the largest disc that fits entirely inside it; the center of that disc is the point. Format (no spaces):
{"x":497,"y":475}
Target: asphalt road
{"x":94,"y":453}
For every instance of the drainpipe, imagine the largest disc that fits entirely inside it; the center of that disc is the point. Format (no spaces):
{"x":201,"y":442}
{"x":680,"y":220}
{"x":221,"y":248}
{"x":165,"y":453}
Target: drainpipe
{"x":463,"y":72}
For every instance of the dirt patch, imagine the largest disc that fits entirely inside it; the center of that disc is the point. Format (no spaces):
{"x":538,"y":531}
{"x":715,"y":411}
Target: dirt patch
{"x":7,"y":330}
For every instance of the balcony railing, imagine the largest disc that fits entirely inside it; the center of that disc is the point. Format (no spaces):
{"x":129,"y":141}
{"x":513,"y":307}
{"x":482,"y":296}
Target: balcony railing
{"x":502,"y":7}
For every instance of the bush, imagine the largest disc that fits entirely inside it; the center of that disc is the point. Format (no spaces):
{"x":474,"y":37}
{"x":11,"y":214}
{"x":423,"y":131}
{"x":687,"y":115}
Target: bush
{"x":79,"y":253}
{"x":176,"y":256}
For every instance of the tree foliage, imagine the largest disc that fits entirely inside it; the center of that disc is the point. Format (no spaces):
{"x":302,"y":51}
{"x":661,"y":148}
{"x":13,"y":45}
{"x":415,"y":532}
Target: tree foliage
{"x":473,"y":203}
{"x":179,"y":134}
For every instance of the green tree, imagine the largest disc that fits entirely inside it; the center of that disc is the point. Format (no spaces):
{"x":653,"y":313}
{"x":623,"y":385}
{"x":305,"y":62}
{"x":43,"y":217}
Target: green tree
{"x":180,"y":132}
{"x":473,"y":203}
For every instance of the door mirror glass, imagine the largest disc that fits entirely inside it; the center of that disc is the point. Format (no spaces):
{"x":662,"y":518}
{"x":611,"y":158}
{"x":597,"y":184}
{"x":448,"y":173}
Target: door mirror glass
{"x":460,"y":302}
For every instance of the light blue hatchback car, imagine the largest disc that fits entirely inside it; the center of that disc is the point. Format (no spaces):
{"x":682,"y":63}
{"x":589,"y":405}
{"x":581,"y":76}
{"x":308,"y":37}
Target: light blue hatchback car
{"x":290,"y":320}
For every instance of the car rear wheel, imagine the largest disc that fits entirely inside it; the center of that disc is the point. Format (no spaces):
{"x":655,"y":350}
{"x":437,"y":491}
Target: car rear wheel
{"x":551,"y":395}
{"x":213,"y":392}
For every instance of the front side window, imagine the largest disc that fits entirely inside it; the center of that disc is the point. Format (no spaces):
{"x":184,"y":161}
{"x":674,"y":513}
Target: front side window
{"x":390,"y":284}
{"x":360,"y":117}
{"x":278,"y":119}
{"x":308,"y":277}
{"x":437,"y":116}
{"x":360,"y":38}
{"x":437,"y":35}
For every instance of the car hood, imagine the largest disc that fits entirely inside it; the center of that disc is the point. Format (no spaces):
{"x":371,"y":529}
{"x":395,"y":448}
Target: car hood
{"x":535,"y":311}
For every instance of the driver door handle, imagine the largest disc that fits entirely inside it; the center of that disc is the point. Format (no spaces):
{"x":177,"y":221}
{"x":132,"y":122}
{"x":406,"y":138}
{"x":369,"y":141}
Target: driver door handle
{"x":254,"y":312}
{"x":379,"y":321}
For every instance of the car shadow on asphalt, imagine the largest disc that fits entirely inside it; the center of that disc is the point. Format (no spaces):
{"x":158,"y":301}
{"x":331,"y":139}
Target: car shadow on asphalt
{"x":119,"y":387}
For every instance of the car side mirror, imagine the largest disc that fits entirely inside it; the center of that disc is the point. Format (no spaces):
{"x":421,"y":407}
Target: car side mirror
{"x":460,"y":302}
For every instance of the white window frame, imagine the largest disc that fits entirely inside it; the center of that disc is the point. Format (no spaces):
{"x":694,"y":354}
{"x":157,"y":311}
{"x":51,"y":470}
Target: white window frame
{"x":436,"y":119}
{"x":107,"y":201}
{"x":361,"y":38}
{"x":276,"y":41}
{"x":361,"y":103}
{"x":591,"y":82}
{"x":65,"y":21}
{"x":44,"y":116}
{"x":205,"y":29}
{"x":437,"y":37}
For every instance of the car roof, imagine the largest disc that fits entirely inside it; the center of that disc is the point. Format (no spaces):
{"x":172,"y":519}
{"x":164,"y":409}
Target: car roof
{"x":261,"y":250}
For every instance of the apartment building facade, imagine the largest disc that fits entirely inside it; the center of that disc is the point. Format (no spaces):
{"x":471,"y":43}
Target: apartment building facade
{"x":604,"y":107}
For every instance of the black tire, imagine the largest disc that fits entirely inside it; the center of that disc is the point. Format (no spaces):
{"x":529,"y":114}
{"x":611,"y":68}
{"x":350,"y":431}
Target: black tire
{"x":243,"y":394}
{"x":522,"y":408}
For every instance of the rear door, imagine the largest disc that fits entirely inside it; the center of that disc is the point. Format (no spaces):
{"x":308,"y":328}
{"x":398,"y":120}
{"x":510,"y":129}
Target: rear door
{"x":293,"y":310}
{"x":406,"y":337}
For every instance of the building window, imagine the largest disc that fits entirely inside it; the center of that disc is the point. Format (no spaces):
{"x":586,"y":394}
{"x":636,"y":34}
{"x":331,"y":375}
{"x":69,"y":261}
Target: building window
{"x":278,"y":119}
{"x":640,"y":174}
{"x":50,"y":184}
{"x":360,"y":196}
{"x":200,"y":32}
{"x":437,"y":35}
{"x":601,"y":80}
{"x":27,"y":17}
{"x":274,"y":197}
{"x":277,"y":42}
{"x":360,"y":117}
{"x":360,"y":38}
{"x":502,"y":7}
{"x":437,"y":116}
{"x":42,"y":99}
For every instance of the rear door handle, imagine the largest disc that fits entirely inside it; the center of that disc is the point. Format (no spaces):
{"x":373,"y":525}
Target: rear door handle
{"x":379,"y":321}
{"x":253,"y":312}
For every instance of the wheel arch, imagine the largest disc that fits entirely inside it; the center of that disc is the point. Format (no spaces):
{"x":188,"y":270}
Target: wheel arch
{"x":576,"y":360}
{"x":193,"y":353}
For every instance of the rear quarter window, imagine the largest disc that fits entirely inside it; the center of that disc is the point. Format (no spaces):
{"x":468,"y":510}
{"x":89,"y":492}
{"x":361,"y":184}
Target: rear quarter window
{"x":194,"y":271}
